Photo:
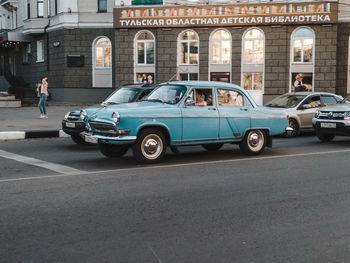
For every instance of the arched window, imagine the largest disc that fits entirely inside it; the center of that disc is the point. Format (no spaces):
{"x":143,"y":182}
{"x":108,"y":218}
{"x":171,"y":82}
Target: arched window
{"x":145,"y":48}
{"x":221,"y":47}
{"x":102,"y":62}
{"x":188,"y":55}
{"x":303,"y":43}
{"x":253,"y":59}
{"x":103,"y":53}
{"x":302,"y":58}
{"x":189,"y":48}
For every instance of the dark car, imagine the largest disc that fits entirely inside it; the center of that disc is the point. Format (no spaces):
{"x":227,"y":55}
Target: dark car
{"x":73,"y":123}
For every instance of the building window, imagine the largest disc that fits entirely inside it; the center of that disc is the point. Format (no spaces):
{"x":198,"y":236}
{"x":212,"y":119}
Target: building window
{"x":28,"y":9}
{"x":302,"y":58}
{"x":189,"y":48}
{"x":102,"y":5}
{"x":303,"y":42}
{"x":188,"y":76}
{"x":145,"y":48}
{"x":39,"y":51}
{"x":103,"y":53}
{"x":56,"y":7}
{"x":221,"y":47}
{"x":40,"y":8}
{"x":253,"y":59}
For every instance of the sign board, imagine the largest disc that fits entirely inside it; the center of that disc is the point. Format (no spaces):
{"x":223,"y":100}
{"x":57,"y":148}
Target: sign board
{"x":226,"y":15}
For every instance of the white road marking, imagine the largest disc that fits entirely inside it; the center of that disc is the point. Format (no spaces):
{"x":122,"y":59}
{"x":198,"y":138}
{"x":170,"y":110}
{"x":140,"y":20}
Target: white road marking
{"x":62,"y":169}
{"x":79,"y":172}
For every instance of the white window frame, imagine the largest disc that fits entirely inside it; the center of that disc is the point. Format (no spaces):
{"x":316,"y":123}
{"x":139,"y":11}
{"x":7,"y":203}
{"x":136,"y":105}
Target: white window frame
{"x":302,"y":46}
{"x":40,"y":57}
{"x":220,"y":41}
{"x":253,"y":67}
{"x":103,"y":52}
{"x":188,"y":43}
{"x":144,"y":42}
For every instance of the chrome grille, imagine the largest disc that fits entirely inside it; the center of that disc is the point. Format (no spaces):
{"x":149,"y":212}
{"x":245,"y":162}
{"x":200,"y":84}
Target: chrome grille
{"x":74,"y":116}
{"x":329,"y":115}
{"x":103,"y":128}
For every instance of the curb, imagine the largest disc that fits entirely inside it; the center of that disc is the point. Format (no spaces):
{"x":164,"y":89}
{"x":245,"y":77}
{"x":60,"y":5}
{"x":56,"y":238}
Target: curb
{"x":20,"y":135}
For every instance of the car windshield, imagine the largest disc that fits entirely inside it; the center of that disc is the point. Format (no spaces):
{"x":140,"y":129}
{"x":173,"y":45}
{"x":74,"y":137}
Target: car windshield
{"x":170,"y":94}
{"x":285,"y":101}
{"x":346,"y":100}
{"x":123,"y":95}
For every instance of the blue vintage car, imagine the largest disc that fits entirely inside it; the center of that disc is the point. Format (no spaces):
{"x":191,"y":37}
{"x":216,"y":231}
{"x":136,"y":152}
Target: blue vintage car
{"x":184,"y":113}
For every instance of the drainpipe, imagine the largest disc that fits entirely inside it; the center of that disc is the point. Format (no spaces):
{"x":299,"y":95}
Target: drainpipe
{"x":48,"y":38}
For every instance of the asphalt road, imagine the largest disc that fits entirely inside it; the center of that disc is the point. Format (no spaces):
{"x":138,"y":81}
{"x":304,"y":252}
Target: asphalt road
{"x":63,"y":203}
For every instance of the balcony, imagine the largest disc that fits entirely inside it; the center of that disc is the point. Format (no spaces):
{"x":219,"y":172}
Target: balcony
{"x":10,"y":5}
{"x":35,"y":25}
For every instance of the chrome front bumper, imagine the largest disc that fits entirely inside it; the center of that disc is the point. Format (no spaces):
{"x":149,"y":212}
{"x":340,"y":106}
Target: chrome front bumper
{"x":97,"y":138}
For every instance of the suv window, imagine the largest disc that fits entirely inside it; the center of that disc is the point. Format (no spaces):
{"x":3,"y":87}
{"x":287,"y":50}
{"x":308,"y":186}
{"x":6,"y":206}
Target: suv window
{"x":229,"y":98}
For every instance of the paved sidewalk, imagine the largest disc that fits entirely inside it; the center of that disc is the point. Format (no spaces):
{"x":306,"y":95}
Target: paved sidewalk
{"x":18,"y":123}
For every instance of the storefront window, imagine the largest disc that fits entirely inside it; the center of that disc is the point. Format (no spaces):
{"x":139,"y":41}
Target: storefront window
{"x":145,"y":48}
{"x":103,"y":53}
{"x":189,"y":76}
{"x":303,"y":42}
{"x":252,"y":81}
{"x":145,"y":78}
{"x":189,"y":48}
{"x":221,"y":47}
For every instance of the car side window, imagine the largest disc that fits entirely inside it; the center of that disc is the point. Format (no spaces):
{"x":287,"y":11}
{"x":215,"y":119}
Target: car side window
{"x":202,"y":97}
{"x":314,"y":101}
{"x":328,"y":100}
{"x":230,"y":98}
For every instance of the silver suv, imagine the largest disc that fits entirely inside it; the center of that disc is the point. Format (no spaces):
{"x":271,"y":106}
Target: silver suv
{"x":332,"y":120}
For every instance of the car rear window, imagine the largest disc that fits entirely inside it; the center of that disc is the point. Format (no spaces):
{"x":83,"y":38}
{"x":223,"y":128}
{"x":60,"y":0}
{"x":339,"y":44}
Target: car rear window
{"x":286,"y":101}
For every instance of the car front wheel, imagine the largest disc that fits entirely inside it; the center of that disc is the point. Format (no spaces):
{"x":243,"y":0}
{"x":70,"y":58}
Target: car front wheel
{"x":324,"y":137}
{"x":150,"y":146}
{"x":254,"y":142}
{"x":295,"y":126}
{"x":113,"y":150}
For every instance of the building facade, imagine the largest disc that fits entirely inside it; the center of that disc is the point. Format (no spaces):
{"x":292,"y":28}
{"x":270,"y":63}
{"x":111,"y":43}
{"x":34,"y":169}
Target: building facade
{"x":89,"y":47}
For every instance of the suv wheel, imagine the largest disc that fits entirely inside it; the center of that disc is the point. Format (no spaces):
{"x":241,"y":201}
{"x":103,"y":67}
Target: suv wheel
{"x":150,"y":146}
{"x":324,"y":137}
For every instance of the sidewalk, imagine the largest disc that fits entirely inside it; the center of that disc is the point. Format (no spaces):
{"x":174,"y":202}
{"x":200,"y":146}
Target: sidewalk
{"x":24,"y":122}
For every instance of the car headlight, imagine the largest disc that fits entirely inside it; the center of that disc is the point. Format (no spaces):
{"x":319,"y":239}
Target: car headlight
{"x":116,"y":117}
{"x":83,"y":115}
{"x":66,"y":116}
{"x":317,"y":114}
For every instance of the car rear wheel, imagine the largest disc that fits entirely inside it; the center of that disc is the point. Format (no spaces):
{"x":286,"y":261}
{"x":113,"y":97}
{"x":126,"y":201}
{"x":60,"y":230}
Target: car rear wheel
{"x":212,"y":146}
{"x":253,"y":143}
{"x":324,"y":137}
{"x":150,"y":146}
{"x":78,"y":140}
{"x":113,"y":150}
{"x":295,"y":126}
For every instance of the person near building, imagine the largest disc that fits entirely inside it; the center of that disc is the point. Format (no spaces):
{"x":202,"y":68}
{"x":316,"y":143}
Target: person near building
{"x":298,"y":84}
{"x":199,"y":99}
{"x":43,"y":93}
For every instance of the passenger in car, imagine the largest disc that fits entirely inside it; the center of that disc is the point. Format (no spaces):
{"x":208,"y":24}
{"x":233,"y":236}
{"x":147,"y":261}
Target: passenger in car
{"x":199,"y":99}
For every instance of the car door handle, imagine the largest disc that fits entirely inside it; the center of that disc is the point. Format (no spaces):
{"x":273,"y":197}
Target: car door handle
{"x":244,"y":109}
{"x":211,"y":108}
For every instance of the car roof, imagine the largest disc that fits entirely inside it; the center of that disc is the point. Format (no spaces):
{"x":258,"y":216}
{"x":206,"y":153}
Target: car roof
{"x":139,"y":86}
{"x":306,"y":93}
{"x":203,"y":83}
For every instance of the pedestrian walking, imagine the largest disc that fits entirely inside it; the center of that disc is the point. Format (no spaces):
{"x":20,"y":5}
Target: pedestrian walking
{"x":43,"y":93}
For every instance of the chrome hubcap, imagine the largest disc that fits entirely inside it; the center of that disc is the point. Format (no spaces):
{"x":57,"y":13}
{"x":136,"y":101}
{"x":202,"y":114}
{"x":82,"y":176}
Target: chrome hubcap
{"x":152,"y":146}
{"x":255,"y":140}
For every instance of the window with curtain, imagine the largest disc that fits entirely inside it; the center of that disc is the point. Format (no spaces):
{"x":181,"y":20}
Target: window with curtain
{"x":221,"y":47}
{"x":189,"y":48}
{"x":103,"y":53}
{"x":145,"y":46}
{"x":303,"y":45}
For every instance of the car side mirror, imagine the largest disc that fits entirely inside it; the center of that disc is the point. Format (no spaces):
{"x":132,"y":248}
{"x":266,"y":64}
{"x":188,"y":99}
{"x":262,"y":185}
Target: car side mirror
{"x":306,"y":106}
{"x":189,"y":101}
